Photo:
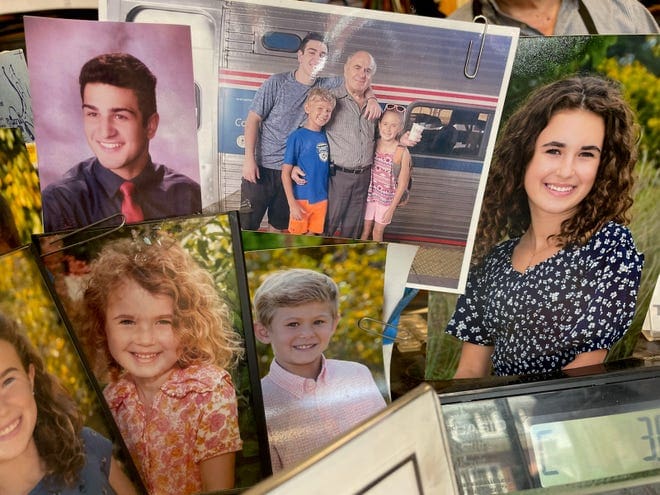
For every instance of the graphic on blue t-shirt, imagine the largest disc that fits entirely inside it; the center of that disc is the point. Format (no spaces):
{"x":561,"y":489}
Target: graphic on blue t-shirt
{"x":323,"y":151}
{"x":310,"y":151}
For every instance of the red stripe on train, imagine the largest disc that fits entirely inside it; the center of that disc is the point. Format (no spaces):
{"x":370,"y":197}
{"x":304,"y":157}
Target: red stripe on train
{"x":255,"y":79}
{"x":251,"y":84}
{"x":443,"y":94}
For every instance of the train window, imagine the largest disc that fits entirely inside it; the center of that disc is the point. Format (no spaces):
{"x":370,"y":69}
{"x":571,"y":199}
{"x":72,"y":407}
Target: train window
{"x":281,"y":42}
{"x":449,"y":130}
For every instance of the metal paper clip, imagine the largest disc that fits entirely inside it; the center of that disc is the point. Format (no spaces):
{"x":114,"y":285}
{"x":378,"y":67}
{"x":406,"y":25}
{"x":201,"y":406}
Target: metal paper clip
{"x":481,"y":50}
{"x":83,"y":229}
{"x":389,"y":335}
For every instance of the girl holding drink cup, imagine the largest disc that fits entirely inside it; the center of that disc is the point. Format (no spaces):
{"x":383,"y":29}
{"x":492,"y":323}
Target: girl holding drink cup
{"x":416,"y":132}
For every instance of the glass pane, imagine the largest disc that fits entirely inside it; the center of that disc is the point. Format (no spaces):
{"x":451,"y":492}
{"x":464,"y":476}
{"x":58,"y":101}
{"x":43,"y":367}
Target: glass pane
{"x":281,"y":42}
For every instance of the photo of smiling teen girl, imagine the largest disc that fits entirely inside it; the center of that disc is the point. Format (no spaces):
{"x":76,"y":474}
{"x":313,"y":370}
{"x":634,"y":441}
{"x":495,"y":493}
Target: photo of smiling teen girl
{"x":309,"y":400}
{"x":557,"y":272}
{"x":166,"y":342}
{"x":44,"y":447}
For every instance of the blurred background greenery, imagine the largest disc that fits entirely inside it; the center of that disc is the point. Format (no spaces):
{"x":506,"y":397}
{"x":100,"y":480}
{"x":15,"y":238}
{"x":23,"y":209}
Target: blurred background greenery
{"x":19,"y":184}
{"x":214,"y":245}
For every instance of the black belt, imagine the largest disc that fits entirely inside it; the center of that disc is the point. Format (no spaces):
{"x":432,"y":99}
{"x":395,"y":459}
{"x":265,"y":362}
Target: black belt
{"x":353,"y":170}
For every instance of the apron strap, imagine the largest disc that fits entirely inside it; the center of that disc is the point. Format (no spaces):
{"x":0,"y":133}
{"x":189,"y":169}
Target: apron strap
{"x":582,"y":10}
{"x":586,"y":18}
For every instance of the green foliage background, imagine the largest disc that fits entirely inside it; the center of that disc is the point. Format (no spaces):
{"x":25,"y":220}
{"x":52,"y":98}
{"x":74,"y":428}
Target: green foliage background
{"x":358,"y":269}
{"x":19,"y":183}
{"x":211,"y":244}
{"x":633,"y":61}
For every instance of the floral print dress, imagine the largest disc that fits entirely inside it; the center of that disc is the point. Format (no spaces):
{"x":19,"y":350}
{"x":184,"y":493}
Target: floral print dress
{"x":579,"y":300}
{"x":193,"y":418}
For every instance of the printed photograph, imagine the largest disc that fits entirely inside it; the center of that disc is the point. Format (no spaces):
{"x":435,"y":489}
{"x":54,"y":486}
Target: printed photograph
{"x":407,"y":443}
{"x":115,"y":120}
{"x":66,"y":437}
{"x":321,"y":372}
{"x":272,"y":58}
{"x":15,"y":99}
{"x":160,"y":311}
{"x":607,"y":248}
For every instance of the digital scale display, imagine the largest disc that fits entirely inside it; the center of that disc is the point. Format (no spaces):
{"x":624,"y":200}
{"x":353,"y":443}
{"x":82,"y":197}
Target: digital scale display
{"x":592,"y":431}
{"x":596,"y":447}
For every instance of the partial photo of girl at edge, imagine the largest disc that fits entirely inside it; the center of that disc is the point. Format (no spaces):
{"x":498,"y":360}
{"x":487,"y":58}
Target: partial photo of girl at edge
{"x":555,"y":272}
{"x":44,"y":446}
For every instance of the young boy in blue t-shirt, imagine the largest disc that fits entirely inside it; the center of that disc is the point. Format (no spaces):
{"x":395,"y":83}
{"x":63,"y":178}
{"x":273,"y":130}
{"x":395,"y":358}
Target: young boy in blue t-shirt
{"x":307,"y":148}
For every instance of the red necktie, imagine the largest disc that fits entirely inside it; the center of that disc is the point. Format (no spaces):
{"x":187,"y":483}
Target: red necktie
{"x":129,"y":208}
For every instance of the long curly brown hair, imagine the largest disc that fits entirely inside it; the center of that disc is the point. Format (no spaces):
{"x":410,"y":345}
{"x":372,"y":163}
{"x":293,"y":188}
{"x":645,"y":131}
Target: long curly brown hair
{"x":59,"y":423}
{"x":505,"y":209}
{"x":201,"y":318}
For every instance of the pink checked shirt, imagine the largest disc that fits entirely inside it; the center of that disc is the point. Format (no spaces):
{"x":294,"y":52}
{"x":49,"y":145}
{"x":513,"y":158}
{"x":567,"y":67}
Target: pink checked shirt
{"x":304,"y":415}
{"x":193,"y":418}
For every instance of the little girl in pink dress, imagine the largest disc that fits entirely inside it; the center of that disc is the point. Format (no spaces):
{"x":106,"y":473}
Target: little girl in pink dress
{"x":385,"y":190}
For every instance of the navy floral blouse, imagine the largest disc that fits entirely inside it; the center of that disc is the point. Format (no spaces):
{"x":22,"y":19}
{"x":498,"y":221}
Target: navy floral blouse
{"x":579,"y":300}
